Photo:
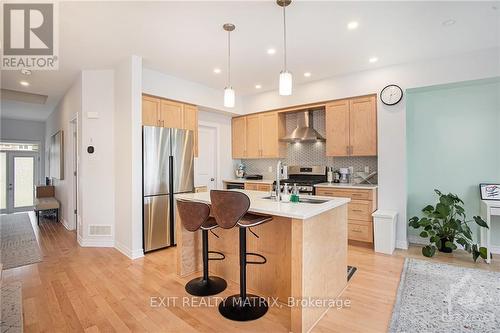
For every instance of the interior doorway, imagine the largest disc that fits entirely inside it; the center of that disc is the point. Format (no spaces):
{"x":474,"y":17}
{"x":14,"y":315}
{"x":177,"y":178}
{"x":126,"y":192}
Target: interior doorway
{"x":73,"y":136}
{"x":206,"y":165}
{"x":19,"y":168}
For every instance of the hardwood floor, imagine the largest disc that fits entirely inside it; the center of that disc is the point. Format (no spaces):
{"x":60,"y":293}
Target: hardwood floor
{"x":79,"y":289}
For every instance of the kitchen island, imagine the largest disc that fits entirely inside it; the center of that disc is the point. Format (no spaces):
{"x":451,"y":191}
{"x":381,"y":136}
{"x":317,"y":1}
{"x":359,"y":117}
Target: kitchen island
{"x":305,"y":245}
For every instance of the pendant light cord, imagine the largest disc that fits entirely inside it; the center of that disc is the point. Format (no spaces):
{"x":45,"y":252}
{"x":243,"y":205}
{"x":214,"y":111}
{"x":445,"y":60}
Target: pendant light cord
{"x":229,"y":58}
{"x":284,"y":37}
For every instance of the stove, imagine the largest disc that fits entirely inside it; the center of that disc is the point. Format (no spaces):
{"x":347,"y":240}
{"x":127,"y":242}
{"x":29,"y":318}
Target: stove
{"x":305,"y":177}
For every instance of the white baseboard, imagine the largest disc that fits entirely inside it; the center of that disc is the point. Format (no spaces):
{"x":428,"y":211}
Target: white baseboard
{"x":401,"y":244}
{"x":95,"y":242}
{"x":495,"y":249}
{"x":415,"y":239}
{"x":65,"y":224}
{"x":132,"y":254}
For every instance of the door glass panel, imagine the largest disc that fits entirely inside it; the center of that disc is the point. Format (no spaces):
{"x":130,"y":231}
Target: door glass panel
{"x":3,"y":180}
{"x":24,"y":168}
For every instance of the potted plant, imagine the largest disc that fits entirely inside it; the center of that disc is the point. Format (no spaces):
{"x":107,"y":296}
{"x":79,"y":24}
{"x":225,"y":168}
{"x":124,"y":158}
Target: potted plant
{"x":445,"y":224}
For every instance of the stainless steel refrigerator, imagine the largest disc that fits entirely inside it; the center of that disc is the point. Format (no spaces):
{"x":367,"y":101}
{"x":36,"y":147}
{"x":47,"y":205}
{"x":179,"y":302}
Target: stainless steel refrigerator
{"x":168,"y":159}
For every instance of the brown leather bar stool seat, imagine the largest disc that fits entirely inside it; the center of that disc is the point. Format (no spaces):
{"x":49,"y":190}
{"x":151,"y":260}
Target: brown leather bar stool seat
{"x":230,"y":209}
{"x":195,"y":216}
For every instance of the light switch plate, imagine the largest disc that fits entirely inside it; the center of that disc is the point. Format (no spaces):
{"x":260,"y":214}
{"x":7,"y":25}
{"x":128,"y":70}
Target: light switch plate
{"x":270,"y":169}
{"x":93,"y":115}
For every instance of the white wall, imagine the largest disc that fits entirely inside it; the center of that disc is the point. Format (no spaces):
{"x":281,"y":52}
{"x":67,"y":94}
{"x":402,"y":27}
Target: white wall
{"x":15,"y":130}
{"x":163,"y":85}
{"x":68,"y":108}
{"x":96,"y":170}
{"x":128,"y":157}
{"x":223,"y":122}
{"x":391,"y":120}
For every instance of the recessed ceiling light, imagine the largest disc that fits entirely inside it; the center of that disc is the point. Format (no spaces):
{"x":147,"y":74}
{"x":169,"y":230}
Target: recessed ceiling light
{"x":307,"y":74}
{"x":271,"y":51}
{"x":449,"y":22}
{"x":373,"y":59}
{"x":217,"y":70}
{"x":258,"y":86}
{"x":25,"y":71}
{"x":352,"y":25}
{"x":24,"y":83}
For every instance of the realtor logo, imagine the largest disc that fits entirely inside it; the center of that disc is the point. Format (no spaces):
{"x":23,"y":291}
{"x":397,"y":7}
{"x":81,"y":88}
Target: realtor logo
{"x":29,"y":35}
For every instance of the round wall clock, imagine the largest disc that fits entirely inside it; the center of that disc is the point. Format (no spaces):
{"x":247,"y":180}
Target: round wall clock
{"x":391,"y":95}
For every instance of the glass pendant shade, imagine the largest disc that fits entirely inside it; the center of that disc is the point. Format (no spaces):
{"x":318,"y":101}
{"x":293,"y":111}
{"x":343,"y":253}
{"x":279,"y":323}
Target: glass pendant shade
{"x":285,"y":83}
{"x":229,"y":97}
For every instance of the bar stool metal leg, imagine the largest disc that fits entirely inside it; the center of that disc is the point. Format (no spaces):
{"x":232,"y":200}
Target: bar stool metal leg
{"x":206,"y":285}
{"x":243,"y":307}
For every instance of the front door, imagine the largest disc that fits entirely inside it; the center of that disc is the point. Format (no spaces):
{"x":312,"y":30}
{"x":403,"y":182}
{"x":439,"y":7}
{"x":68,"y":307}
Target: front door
{"x":18,"y":174}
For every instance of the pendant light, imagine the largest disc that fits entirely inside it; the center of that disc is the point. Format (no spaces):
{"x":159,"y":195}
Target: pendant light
{"x":285,"y":86}
{"x":229,"y":96}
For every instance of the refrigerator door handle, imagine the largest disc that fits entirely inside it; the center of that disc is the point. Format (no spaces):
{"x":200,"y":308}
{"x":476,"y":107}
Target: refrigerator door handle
{"x":172,"y":200}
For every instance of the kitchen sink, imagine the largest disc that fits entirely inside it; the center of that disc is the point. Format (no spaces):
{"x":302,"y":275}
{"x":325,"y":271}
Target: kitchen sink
{"x":303,"y":200}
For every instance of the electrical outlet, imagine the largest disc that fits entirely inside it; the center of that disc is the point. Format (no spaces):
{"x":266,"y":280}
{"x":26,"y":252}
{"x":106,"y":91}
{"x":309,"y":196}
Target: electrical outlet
{"x":367,"y":169}
{"x":270,"y":169}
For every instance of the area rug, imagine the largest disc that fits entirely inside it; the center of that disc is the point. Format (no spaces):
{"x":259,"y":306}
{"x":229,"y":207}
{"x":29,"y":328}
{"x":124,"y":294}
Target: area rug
{"x":11,"y":307}
{"x":441,"y":298}
{"x":18,"y":243}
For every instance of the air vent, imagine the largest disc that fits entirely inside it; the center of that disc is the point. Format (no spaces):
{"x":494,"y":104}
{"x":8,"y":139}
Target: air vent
{"x":99,"y":230}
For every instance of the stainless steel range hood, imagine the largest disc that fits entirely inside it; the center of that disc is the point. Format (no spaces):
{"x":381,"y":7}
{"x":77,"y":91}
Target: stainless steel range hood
{"x":304,"y":132}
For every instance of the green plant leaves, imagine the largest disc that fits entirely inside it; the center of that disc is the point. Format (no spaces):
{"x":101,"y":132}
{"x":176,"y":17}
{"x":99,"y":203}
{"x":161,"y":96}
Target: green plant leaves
{"x":429,"y":209}
{"x":483,"y":252}
{"x":428,"y":251}
{"x":447,"y":222}
{"x":442,"y":210}
{"x":480,"y":222}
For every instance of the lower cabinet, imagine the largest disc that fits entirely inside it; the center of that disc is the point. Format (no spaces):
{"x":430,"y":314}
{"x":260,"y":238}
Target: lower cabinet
{"x":258,"y":187}
{"x":359,"y":210}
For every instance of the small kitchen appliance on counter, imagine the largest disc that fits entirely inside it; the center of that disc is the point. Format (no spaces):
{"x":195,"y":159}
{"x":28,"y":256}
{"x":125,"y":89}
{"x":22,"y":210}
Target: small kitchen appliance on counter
{"x":240,"y":171}
{"x":254,"y":177}
{"x":344,"y":175}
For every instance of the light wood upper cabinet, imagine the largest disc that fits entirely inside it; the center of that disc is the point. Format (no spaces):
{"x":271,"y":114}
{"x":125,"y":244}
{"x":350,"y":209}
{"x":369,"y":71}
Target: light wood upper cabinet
{"x":351,"y":127}
{"x":150,"y":111}
{"x":363,"y":126}
{"x":171,"y":114}
{"x":165,"y":113}
{"x":257,"y":135}
{"x":239,"y":136}
{"x":190,"y":122}
{"x":271,"y":130}
{"x":253,"y":137}
{"x":337,"y":128}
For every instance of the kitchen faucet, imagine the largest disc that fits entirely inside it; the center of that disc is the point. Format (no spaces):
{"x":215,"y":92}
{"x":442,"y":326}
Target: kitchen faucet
{"x":278,"y":176}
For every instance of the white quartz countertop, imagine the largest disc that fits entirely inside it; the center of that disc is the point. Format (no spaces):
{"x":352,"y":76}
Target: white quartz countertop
{"x":347,"y":186}
{"x":295,"y":210}
{"x":253,"y":181}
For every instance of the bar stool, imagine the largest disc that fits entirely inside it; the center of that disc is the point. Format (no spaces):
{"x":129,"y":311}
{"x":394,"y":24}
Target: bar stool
{"x":230,"y":208}
{"x":195,"y":216}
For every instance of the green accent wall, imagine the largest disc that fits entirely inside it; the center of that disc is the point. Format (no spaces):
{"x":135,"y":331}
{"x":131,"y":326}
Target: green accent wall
{"x":453,"y":144}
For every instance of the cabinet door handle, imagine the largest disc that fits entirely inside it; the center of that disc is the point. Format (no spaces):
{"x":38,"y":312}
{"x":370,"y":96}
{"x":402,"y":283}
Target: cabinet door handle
{"x":347,"y":150}
{"x":356,"y":230}
{"x":357,"y":210}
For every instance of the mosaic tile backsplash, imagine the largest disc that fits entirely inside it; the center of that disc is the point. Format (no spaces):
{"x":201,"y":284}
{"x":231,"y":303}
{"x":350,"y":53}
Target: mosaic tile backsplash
{"x":308,"y":153}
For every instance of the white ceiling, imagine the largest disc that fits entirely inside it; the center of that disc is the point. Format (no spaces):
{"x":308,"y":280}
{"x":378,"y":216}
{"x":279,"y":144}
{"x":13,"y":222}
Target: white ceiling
{"x":185,"y":39}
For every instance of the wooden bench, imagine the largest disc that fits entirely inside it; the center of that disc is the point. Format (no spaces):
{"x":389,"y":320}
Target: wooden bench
{"x":45,"y":200}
